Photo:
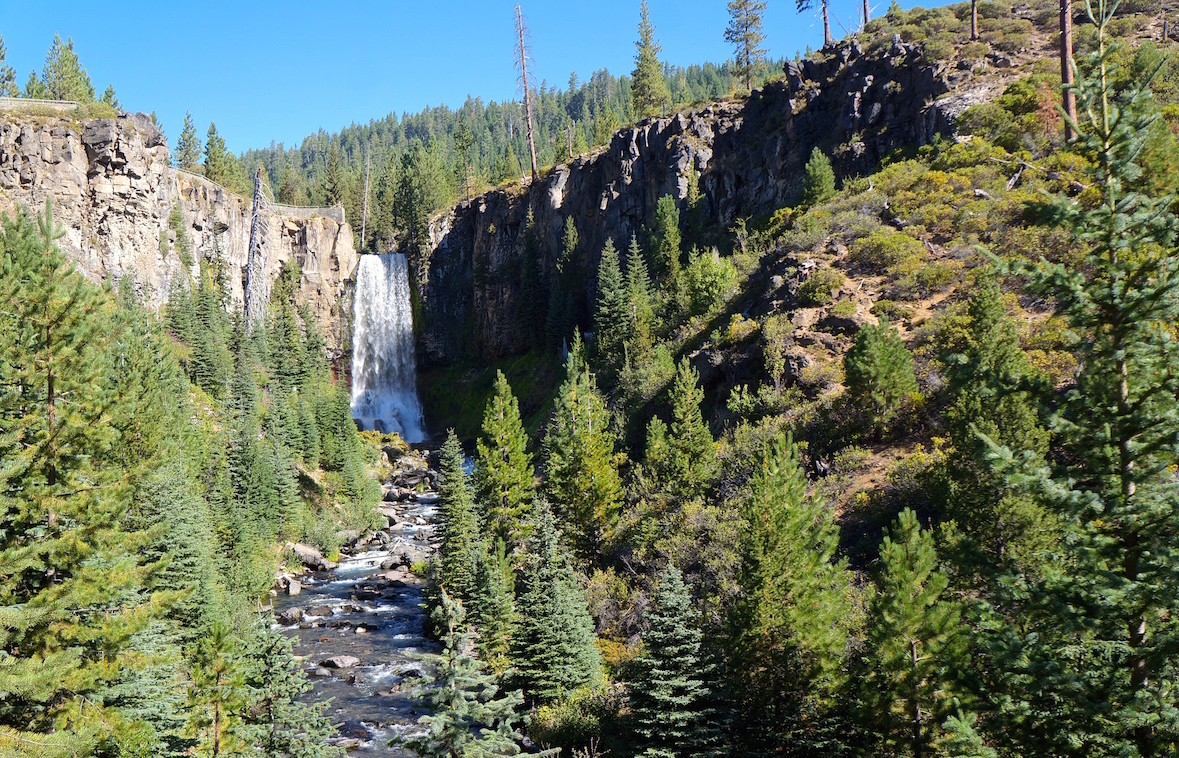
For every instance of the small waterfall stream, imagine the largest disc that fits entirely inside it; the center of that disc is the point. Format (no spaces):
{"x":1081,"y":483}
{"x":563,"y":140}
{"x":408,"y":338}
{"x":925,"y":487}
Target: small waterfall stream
{"x":384,"y":374}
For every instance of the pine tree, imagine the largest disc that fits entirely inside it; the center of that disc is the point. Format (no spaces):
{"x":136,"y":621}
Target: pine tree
{"x":984,"y":375}
{"x":458,"y":553}
{"x":217,"y":696}
{"x":640,"y":315}
{"x":109,"y":98}
{"x":504,"y":479}
{"x":468,"y":715}
{"x":818,"y":183}
{"x":63,"y":77}
{"x":1097,"y":630}
{"x":581,"y":469}
{"x":916,"y":641}
{"x":553,"y":647}
{"x":668,"y":696}
{"x":692,"y":449}
{"x":562,"y":315}
{"x":493,"y":606}
{"x":610,"y":318}
{"x":648,"y":88}
{"x":744,"y":33}
{"x":217,"y":158}
{"x":532,"y":306}
{"x":335,"y":181}
{"x":666,"y":241}
{"x":8,"y":86}
{"x":879,"y":371}
{"x":65,"y":540}
{"x":188,"y":146}
{"x":791,"y":625}
{"x":277,"y":724}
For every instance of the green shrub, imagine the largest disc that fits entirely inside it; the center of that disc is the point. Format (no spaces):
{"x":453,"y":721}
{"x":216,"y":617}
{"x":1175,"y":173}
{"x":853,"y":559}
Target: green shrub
{"x":933,"y":277}
{"x":938,"y":49}
{"x":843,"y":308}
{"x":891,"y":310}
{"x":887,"y":249}
{"x":710,"y":279}
{"x":808,"y":232}
{"x":974,"y":50}
{"x":818,"y":288}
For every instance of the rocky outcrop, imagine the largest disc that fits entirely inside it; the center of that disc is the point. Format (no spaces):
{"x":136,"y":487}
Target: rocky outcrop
{"x":749,"y":159}
{"x":113,"y":190}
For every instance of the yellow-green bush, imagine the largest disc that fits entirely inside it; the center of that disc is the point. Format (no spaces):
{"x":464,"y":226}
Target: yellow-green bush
{"x":887,"y":250}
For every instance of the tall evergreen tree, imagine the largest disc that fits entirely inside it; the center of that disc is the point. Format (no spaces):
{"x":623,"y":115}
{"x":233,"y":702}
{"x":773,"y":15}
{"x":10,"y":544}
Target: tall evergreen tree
{"x":65,"y":541}
{"x":468,"y":714}
{"x":458,"y":553}
{"x":493,"y":611}
{"x":63,"y":77}
{"x":276,"y":723}
{"x":8,"y":86}
{"x":666,"y":242}
{"x":1098,"y":634}
{"x":335,"y":181}
{"x":610,"y":318}
{"x":669,"y":695}
{"x":744,"y":33}
{"x":648,"y":88}
{"x":791,"y":625}
{"x":562,"y":315}
{"x":581,"y":469}
{"x":217,"y":695}
{"x":217,"y":158}
{"x":504,"y":479}
{"x":553,"y":647}
{"x":916,"y":641}
{"x":188,"y":146}
{"x":984,"y":375}
{"x":640,"y":314}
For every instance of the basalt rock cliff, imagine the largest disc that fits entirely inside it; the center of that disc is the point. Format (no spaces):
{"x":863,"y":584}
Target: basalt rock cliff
{"x":113,"y":190}
{"x":748,"y":157}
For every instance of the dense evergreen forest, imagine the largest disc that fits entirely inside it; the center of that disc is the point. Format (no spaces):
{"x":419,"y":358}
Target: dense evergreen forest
{"x":150,"y":469}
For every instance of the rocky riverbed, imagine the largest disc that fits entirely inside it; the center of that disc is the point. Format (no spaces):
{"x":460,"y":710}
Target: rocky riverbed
{"x":358,"y":623}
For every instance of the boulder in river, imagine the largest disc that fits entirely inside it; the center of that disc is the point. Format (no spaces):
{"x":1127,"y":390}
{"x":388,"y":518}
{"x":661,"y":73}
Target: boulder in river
{"x":321,"y":611}
{"x":294,"y":587}
{"x":339,"y":662}
{"x":290,"y":616}
{"x":311,"y":558}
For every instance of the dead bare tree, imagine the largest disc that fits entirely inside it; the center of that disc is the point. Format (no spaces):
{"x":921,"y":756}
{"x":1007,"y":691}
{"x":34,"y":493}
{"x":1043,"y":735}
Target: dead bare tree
{"x":522,"y":54}
{"x":1066,"y":68}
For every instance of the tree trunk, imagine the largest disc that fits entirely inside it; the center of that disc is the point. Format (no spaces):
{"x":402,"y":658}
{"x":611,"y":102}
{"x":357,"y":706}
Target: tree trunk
{"x":827,"y":39}
{"x":1066,"y":68}
{"x":973,"y":19}
{"x":916,"y":703}
{"x":522,"y":32}
{"x":867,"y":17}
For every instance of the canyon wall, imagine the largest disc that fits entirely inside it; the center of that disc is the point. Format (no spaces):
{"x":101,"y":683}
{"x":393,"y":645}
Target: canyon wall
{"x":113,"y":190}
{"x":749,"y":158}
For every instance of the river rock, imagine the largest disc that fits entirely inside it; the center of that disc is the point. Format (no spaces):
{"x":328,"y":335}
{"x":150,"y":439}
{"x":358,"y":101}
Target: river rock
{"x":319,"y":671}
{"x":339,"y":662}
{"x":294,"y":587}
{"x":361,"y":630}
{"x":354,"y":730}
{"x":312,"y":558}
{"x":320,"y":611}
{"x":290,"y":617}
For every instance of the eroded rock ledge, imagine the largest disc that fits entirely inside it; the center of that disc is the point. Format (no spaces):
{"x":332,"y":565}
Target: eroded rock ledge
{"x":113,"y":190}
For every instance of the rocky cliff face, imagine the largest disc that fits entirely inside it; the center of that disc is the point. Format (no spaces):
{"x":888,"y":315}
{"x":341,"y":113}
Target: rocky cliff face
{"x":113,"y":190}
{"x":749,"y":157}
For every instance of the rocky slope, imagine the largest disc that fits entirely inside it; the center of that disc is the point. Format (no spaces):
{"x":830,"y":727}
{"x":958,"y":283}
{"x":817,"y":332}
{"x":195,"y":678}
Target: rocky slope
{"x":749,"y":157}
{"x":113,"y":190}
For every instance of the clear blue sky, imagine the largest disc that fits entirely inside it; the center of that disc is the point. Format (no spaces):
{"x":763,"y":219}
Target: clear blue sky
{"x":278,"y":71}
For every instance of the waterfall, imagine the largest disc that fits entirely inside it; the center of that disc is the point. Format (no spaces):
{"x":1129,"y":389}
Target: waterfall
{"x":384,"y":377}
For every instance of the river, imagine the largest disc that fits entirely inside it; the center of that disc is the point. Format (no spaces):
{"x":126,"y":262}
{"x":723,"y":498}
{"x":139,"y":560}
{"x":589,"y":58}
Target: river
{"x":367,"y":616}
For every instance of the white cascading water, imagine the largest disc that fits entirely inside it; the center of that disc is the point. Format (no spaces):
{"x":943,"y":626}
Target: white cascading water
{"x":384,"y":374}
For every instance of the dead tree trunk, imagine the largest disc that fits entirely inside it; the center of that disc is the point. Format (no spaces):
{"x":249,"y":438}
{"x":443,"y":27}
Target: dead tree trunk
{"x":1066,"y":68}
{"x":522,"y":61}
